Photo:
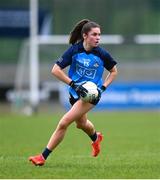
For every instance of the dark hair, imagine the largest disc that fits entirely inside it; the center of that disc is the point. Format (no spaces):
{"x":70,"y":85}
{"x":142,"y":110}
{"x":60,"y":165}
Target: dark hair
{"x":83,"y":26}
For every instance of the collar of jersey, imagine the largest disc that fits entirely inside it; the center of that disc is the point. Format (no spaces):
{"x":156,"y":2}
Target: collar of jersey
{"x":80,"y":44}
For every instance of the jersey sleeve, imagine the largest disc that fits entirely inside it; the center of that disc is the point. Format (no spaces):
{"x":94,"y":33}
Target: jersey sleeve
{"x":109,"y":62}
{"x":66,"y":59}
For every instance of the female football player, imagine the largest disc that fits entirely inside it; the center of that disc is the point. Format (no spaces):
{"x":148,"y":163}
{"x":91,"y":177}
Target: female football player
{"x":87,"y":62}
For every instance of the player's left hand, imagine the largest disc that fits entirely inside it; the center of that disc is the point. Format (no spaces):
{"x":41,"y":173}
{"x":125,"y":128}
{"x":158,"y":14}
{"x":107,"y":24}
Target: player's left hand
{"x":100,"y":91}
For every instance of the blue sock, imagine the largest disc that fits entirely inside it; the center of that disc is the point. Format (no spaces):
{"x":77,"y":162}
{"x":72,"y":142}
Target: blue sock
{"x":46,"y":153}
{"x":93,"y":137}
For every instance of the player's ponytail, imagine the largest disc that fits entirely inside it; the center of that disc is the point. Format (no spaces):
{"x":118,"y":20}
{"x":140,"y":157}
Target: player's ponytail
{"x":75,"y":34}
{"x":82,"y":27}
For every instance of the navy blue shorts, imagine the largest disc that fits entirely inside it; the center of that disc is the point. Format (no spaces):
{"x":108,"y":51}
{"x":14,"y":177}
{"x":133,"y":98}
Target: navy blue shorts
{"x":72,"y":100}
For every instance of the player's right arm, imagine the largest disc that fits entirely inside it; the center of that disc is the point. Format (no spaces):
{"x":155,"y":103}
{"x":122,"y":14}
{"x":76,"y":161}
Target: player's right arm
{"x":60,"y":74}
{"x":64,"y":61}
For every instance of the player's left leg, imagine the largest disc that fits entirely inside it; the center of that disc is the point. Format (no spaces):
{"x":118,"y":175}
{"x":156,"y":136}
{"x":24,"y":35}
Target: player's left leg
{"x":96,"y":137}
{"x":86,"y":125}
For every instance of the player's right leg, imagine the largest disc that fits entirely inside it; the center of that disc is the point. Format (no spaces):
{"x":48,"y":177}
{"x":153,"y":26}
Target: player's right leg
{"x":76,"y":112}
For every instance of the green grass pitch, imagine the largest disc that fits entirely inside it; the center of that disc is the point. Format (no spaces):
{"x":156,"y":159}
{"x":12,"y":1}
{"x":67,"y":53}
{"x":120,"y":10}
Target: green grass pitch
{"x":131,"y":147}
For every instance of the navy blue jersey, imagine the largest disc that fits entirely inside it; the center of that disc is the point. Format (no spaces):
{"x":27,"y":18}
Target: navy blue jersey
{"x":86,"y":66}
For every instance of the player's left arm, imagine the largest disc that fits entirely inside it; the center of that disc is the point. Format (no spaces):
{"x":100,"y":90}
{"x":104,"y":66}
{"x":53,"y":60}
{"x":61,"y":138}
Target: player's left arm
{"x":111,"y":76}
{"x":108,"y":80}
{"x":110,"y":65}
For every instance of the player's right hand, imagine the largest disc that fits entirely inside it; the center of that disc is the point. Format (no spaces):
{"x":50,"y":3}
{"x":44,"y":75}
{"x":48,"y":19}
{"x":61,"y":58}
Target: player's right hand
{"x":80,"y":90}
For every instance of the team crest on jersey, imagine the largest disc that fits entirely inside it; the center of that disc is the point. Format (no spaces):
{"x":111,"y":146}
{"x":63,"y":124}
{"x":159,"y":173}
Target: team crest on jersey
{"x":96,"y":65}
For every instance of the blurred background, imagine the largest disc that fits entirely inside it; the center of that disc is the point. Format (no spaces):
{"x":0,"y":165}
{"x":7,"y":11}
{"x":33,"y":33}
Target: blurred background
{"x":28,"y":51}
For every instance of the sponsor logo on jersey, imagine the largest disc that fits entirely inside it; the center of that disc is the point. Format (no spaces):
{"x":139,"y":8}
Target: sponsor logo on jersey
{"x":86,"y":72}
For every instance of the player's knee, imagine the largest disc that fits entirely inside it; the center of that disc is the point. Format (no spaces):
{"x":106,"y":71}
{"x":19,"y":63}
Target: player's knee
{"x":62,"y":125}
{"x":80,"y":125}
{"x":64,"y":122}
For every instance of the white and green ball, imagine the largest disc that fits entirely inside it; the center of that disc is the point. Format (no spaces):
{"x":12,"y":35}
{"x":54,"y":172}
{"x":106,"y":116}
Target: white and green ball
{"x":92,"y":91}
